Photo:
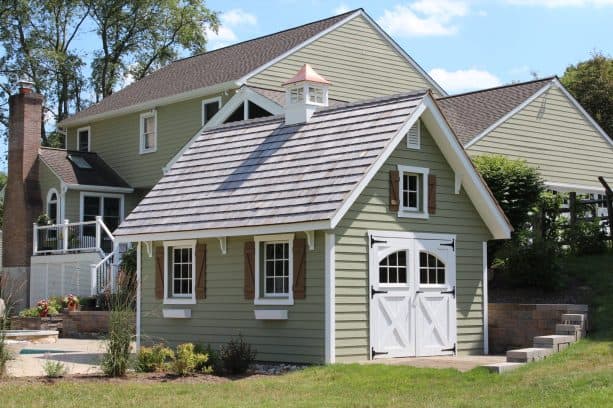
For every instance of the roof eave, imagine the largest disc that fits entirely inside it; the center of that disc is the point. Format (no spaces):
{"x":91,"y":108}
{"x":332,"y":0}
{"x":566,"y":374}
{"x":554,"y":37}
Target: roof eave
{"x":195,"y":93}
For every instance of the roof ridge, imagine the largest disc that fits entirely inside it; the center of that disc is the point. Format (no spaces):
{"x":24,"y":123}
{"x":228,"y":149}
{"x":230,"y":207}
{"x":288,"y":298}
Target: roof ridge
{"x":265,"y":36}
{"x":549,"y":78}
{"x":52,"y":148}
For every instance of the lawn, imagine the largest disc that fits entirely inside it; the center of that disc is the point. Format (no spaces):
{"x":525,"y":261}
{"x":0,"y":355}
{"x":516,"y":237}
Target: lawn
{"x":581,"y":376}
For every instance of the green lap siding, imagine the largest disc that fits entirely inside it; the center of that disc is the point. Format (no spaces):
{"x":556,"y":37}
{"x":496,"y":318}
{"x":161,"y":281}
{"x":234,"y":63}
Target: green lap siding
{"x":552,"y":135}
{"x":226,"y":313}
{"x":358,"y":61}
{"x":47,"y":180}
{"x":455,"y":214}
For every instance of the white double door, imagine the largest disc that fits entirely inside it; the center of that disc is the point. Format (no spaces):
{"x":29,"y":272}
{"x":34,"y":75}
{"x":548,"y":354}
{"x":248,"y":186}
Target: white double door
{"x":412,"y":295}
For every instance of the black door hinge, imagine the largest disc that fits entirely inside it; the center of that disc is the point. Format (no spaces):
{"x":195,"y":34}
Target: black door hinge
{"x":374,"y":353}
{"x":450,"y":244}
{"x":374,"y":241}
{"x":451,"y":348}
{"x":452,"y":291}
{"x":373,"y":291}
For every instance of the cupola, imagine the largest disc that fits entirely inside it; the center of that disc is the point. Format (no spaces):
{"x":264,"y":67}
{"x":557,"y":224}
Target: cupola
{"x":306,"y":92}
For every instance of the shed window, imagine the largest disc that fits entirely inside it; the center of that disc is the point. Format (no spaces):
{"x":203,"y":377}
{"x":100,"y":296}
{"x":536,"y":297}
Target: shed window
{"x":431,"y":270}
{"x":393,"y":268}
{"x":182,"y":268}
{"x":276,"y":268}
{"x":413,"y":191}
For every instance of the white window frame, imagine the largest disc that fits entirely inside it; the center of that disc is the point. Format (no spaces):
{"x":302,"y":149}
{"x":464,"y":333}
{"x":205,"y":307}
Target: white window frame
{"x":408,"y":212}
{"x":101,"y":195}
{"x":151,"y":114}
{"x":179,"y":300}
{"x":273,"y":299}
{"x":207,"y":101}
{"x":89,"y":138}
{"x":415,"y":146}
{"x":431,"y":285}
{"x":57,"y":205}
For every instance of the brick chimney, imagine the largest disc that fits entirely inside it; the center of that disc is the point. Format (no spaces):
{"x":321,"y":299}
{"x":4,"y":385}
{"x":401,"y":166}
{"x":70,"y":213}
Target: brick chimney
{"x":22,"y":199}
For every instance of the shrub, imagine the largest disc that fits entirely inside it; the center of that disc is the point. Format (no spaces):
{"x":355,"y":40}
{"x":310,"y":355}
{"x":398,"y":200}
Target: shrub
{"x":188,"y":361}
{"x":237,"y":355}
{"x":152,"y":359}
{"x":585,"y":238}
{"x":214,"y":362}
{"x":116,"y":358}
{"x":54,"y":369}
{"x":31,"y":312}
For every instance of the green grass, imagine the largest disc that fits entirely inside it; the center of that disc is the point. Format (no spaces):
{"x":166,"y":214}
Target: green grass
{"x":581,"y":376}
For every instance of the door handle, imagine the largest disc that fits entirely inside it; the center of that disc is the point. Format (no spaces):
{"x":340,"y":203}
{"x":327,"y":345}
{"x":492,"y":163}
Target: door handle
{"x":374,"y":292}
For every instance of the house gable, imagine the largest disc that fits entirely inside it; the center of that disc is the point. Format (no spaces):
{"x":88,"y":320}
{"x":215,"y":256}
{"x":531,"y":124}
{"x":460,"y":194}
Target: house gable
{"x":455,"y":214}
{"x":552,"y":134}
{"x":357,"y":58}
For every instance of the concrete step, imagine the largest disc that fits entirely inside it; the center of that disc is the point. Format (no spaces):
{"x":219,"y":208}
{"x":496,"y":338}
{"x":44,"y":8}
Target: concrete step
{"x":503,"y":367}
{"x":573,"y":317}
{"x":556,"y":342}
{"x":570,"y":330}
{"x":527,"y":355}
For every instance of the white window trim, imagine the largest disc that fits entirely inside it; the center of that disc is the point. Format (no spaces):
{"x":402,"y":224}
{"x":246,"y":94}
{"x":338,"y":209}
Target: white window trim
{"x":57,"y":204}
{"x":207,"y":101}
{"x":183,"y":300}
{"x":405,"y":212}
{"x":83,"y":194}
{"x":267,"y":299}
{"x":416,"y":146}
{"x":154,"y":114}
{"x":89,"y":137}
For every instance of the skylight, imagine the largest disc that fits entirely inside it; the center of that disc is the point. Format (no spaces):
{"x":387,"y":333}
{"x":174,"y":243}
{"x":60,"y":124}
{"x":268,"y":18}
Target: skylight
{"x":79,"y":161}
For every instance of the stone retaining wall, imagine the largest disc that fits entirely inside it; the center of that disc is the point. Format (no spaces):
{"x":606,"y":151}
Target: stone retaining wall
{"x":513,"y":325}
{"x":78,"y":324}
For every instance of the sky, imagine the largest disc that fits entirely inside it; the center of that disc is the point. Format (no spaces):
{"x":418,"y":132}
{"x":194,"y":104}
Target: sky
{"x":463,"y":44}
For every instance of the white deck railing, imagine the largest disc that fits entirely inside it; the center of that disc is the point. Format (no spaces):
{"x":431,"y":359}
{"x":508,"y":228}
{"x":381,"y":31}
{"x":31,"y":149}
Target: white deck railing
{"x":88,"y":236}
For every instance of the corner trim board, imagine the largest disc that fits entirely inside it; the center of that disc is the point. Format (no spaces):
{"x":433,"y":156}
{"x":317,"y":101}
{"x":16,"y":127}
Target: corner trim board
{"x":486,"y":346}
{"x":330,"y":307}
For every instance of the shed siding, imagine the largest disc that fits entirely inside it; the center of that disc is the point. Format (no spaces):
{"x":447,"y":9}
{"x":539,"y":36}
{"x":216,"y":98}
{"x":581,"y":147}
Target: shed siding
{"x":553,"y":136}
{"x":358,"y":61}
{"x":225,"y":313}
{"x":116,"y":140}
{"x":455,"y":214}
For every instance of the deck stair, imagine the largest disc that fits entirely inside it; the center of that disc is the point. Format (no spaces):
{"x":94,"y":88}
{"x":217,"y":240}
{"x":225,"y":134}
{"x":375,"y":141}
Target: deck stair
{"x":571,"y":329}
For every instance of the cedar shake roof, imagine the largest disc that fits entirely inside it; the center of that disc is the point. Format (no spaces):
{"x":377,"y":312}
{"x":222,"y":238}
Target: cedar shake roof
{"x":471,"y":113}
{"x":263,"y":172}
{"x":100,"y":174}
{"x":207,"y":69}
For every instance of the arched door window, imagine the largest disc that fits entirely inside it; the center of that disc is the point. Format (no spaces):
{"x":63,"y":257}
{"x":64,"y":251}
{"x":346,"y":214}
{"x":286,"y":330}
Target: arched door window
{"x":393,"y":268}
{"x":431,"y":269}
{"x":53,"y":206}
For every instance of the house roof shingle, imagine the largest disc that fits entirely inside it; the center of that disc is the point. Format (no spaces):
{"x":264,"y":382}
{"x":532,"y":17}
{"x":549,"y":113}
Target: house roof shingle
{"x":207,"y":69}
{"x":100,"y":173}
{"x":263,"y":172}
{"x":471,"y":113}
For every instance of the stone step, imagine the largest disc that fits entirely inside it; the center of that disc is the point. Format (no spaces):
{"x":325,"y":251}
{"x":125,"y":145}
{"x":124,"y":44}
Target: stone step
{"x":570,"y":330}
{"x":556,"y":342}
{"x":503,"y":367}
{"x":526,"y":355}
{"x":573,"y":317}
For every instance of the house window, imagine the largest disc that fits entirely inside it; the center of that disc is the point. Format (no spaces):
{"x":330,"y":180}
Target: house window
{"x":209,"y":108}
{"x":431,"y":270}
{"x":109,"y":207}
{"x":148,"y":132}
{"x":83,"y":139}
{"x":393,"y":268}
{"x":296,"y":95}
{"x":274,"y":270}
{"x":52,"y":206}
{"x":413,"y":192}
{"x":179,"y":282}
{"x":316,"y":95}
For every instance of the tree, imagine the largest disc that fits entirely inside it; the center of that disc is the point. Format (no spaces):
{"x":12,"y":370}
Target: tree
{"x":143,"y":35}
{"x":515,"y":185}
{"x":591,"y":83}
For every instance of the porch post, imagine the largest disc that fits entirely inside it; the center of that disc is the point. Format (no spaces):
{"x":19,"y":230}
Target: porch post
{"x":138,"y":294}
{"x":330,"y":309}
{"x":98,"y":238}
{"x":35,"y":239}
{"x":65,"y":236}
{"x":94,"y":285}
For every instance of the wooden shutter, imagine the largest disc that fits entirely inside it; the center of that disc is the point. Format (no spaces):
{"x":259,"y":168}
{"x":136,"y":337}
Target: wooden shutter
{"x":394,"y":186}
{"x":249,"y":270}
{"x":431,"y":194}
{"x":200,"y":271}
{"x":299,"y":268}
{"x":159,"y":272}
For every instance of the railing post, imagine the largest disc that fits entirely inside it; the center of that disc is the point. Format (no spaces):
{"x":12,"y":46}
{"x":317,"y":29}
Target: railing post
{"x":35,"y":239}
{"x":65,"y":236}
{"x":98,"y":237}
{"x":94,"y":282}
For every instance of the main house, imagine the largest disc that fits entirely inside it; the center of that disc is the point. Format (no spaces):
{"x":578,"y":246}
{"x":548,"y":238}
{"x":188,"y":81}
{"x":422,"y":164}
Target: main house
{"x":119,"y":149}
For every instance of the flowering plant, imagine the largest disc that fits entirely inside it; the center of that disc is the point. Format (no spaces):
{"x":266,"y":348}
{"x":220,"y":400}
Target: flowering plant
{"x":43,"y":307}
{"x":71,"y":300}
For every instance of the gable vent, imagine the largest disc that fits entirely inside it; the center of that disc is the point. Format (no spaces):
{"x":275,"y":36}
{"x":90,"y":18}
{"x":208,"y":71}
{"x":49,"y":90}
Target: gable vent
{"x":414,"y":136}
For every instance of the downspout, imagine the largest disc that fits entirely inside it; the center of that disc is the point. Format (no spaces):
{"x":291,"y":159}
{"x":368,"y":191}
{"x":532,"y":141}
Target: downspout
{"x":138,"y":294}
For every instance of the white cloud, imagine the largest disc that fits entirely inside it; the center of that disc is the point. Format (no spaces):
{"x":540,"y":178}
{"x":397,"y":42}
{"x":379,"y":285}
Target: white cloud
{"x":230,"y":21}
{"x":561,"y":3}
{"x":341,"y":9}
{"x":464,"y":79}
{"x":424,"y":18}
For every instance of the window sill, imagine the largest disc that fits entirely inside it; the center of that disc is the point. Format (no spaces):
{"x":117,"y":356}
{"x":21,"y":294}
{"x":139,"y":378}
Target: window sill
{"x":148,"y":151}
{"x":270,"y":314}
{"x":413,"y":214}
{"x":274,"y":301}
{"x":179,"y":301}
